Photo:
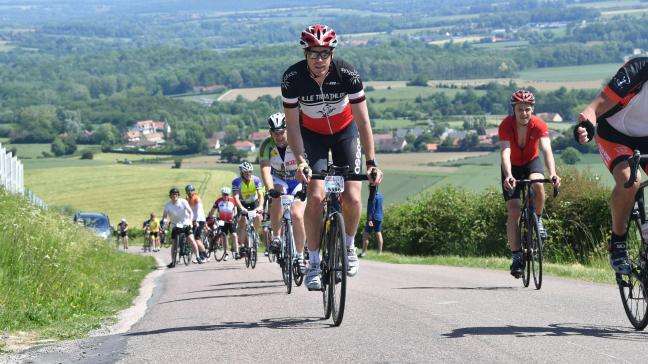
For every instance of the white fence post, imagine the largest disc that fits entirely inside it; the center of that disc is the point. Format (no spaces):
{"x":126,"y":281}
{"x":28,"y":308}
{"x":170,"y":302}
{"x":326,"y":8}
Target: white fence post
{"x":3,"y":174}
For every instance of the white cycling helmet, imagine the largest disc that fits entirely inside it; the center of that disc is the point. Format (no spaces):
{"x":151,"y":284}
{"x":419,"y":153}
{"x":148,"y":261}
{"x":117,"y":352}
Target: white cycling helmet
{"x":245,"y":167}
{"x":226,"y":190}
{"x":277,"y":121}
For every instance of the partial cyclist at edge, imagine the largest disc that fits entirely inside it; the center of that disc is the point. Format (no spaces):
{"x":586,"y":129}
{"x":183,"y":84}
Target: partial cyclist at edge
{"x":325,"y":107}
{"x":278,"y":172}
{"x":520,"y":136}
{"x":248,"y":193}
{"x":618,"y":119}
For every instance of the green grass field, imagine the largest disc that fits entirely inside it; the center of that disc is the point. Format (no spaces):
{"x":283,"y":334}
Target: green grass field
{"x":571,"y":73}
{"x":212,"y":97}
{"x":392,"y":123}
{"x":130,"y":191}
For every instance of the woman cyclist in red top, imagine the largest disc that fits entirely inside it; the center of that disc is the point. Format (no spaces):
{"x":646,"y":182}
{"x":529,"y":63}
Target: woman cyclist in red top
{"x":520,"y":136}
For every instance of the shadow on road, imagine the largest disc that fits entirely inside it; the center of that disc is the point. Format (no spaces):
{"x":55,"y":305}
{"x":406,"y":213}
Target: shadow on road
{"x":608,"y":332}
{"x":493,"y":288}
{"x":248,"y":282}
{"x":237,"y":288}
{"x":282,"y":323}
{"x":206,"y":269}
{"x":225,"y":296}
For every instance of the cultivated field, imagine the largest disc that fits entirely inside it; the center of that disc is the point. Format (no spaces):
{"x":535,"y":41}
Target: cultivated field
{"x":595,"y":72}
{"x":130,"y":191}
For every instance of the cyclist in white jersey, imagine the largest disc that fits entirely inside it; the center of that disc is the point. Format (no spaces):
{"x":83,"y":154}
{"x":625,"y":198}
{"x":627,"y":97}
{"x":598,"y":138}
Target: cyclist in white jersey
{"x":278,"y":169}
{"x":619,"y":117}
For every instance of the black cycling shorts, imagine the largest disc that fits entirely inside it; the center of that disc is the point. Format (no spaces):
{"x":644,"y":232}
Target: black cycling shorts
{"x":522,"y":172}
{"x":197,"y":231}
{"x":344,"y":146}
{"x":154,"y":234}
{"x":122,"y":234}
{"x":229,"y":228}
{"x":187,"y":230}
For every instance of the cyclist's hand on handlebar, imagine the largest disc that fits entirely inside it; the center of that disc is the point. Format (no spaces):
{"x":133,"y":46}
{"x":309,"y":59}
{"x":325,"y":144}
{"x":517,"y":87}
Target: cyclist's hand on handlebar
{"x":375,"y":175}
{"x":304,"y":173}
{"x":555,"y":180}
{"x":509,"y":183}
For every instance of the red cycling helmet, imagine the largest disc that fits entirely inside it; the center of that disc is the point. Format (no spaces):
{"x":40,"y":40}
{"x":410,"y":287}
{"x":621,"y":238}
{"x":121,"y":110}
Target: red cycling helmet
{"x":522,"y":96}
{"x":318,"y":35}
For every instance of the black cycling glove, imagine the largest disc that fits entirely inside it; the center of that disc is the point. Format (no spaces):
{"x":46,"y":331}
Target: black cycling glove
{"x":591,"y":130}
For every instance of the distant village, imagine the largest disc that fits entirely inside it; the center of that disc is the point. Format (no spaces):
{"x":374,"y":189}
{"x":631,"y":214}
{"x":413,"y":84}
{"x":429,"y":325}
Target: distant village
{"x":146,"y":135}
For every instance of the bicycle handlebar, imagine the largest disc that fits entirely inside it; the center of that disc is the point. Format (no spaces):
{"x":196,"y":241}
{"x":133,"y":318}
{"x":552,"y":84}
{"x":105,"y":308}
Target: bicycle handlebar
{"x":634,"y":162}
{"x":556,"y":190}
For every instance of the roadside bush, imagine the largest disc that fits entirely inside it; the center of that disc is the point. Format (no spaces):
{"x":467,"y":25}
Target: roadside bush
{"x":454,"y":221}
{"x":87,"y":154}
{"x":570,"y":155}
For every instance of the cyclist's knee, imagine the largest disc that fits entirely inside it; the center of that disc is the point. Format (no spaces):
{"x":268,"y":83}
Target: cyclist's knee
{"x":351,"y":199}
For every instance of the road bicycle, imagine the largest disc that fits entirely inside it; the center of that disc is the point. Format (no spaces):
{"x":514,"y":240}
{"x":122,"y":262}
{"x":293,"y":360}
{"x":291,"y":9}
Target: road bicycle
{"x":181,"y":249}
{"x":217,"y":240}
{"x":633,"y":287}
{"x":334,"y":262}
{"x":287,"y":258}
{"x":250,"y":251}
{"x":531,"y":240}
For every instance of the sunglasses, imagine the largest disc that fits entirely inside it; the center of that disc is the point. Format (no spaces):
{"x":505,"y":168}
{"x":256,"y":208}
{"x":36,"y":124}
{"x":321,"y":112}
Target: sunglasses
{"x":278,"y":131}
{"x":325,"y":54}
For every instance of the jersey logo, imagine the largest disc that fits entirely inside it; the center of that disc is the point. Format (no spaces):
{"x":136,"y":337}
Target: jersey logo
{"x":285,"y":82}
{"x":354,"y":75}
{"x":326,"y":110}
{"x":332,"y":83}
{"x":623,"y":80}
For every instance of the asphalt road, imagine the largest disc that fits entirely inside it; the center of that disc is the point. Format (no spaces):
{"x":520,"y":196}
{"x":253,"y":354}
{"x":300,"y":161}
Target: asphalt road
{"x":395,"y":313}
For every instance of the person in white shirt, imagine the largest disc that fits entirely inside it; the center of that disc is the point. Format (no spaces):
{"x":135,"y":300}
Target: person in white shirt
{"x":180,"y":217}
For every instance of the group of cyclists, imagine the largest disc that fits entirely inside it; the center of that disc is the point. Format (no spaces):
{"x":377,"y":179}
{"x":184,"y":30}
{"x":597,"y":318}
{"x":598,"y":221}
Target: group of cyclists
{"x":325,"y":120}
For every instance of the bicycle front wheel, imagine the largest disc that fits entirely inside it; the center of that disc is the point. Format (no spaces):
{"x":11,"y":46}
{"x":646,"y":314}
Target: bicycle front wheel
{"x":253,"y":250}
{"x":535,"y":252}
{"x":218,"y":245}
{"x":633,"y":287}
{"x":287,"y":268}
{"x":338,"y":272}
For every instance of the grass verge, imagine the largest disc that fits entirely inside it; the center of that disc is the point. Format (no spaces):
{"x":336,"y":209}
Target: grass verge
{"x":598,"y":272}
{"x":59,"y":280}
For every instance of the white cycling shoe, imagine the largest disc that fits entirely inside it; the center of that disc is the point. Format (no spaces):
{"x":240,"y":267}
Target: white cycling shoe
{"x":313,"y":280}
{"x":352,"y":261}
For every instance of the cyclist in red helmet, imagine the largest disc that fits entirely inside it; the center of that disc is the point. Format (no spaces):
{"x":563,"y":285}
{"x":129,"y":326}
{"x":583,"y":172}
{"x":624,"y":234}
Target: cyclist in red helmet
{"x":618,"y":117}
{"x":520,"y":136}
{"x":325,"y":109}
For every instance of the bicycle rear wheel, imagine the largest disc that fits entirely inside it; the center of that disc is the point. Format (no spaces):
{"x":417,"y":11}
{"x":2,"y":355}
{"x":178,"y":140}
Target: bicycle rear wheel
{"x":324,"y":266}
{"x":535,"y":253}
{"x":267,"y":237}
{"x":338,"y":273}
{"x":633,"y":287}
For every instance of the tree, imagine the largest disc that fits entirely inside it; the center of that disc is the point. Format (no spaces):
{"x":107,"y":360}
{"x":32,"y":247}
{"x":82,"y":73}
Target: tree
{"x":58,"y":147}
{"x":570,"y":155}
{"x":232,"y":155}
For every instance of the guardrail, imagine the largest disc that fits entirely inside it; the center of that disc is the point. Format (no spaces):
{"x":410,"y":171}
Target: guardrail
{"x":12,"y":177}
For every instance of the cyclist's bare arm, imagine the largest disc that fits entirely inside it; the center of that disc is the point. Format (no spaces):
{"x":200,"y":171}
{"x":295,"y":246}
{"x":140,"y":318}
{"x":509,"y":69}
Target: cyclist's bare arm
{"x":361,"y":117}
{"x":295,"y":140}
{"x":237,"y":198}
{"x":191,"y":214}
{"x":509,"y":181}
{"x":261,"y":199}
{"x":266,"y":175}
{"x":545,"y":144}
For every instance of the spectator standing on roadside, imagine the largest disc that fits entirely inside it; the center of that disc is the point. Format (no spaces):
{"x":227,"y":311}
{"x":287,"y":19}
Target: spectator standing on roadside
{"x":374,"y":224}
